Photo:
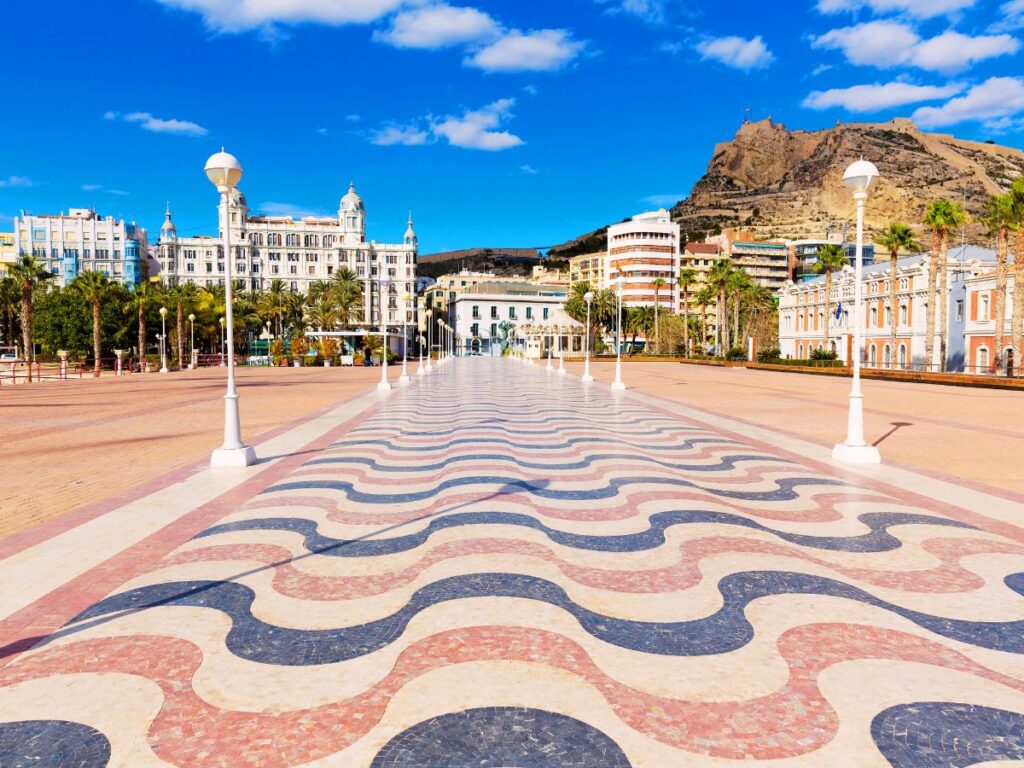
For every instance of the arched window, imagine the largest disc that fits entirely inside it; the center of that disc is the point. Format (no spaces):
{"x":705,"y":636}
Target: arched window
{"x":887,"y":356}
{"x":903,"y":355}
{"x":982,"y":360}
{"x":872,"y":355}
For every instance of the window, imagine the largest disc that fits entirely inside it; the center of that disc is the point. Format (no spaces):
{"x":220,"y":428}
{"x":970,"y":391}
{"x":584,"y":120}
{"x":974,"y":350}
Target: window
{"x":903,"y":314}
{"x":476,"y":313}
{"x":511,"y":313}
{"x":494,"y":312}
{"x":982,"y":360}
{"x":474,"y":329}
{"x":984,"y":309}
{"x":546,"y":309}
{"x":960,"y":311}
{"x":529,"y":313}
{"x":903,"y":355}
{"x":494,"y":330}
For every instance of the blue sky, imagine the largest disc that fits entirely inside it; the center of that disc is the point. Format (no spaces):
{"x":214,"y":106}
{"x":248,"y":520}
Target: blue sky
{"x":498,"y":123}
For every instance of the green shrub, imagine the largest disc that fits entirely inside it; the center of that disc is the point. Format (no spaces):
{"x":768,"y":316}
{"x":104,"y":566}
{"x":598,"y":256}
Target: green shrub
{"x":736,"y":353}
{"x":824,"y":354}
{"x":769,"y":355}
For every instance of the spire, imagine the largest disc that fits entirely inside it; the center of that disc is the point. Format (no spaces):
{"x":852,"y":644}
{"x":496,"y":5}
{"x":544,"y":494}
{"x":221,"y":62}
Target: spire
{"x":410,"y":232}
{"x":168,"y":228}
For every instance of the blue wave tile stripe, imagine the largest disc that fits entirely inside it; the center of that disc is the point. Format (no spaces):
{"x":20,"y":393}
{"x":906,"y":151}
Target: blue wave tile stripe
{"x":723,"y":631}
{"x":686,"y":445}
{"x":877,"y":539}
{"x":52,"y":744}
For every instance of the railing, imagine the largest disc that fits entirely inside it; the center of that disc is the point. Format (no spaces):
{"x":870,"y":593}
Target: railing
{"x":1009,"y":372}
{"x":17,"y":372}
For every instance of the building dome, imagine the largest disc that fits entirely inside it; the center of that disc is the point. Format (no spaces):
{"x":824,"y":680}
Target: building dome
{"x":351,"y":201}
{"x":167,"y":229}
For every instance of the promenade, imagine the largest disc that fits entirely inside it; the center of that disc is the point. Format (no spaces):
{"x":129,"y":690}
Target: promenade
{"x":500,"y":566}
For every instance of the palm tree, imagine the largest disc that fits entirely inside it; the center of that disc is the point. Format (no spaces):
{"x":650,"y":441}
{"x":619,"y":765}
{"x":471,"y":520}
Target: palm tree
{"x":898,"y":237}
{"x":145,"y":292}
{"x":831,"y":257}
{"x":323,"y":315}
{"x":757,"y":299}
{"x":705,"y":297}
{"x":658,"y":283}
{"x":687,"y":278}
{"x":27,"y":273}
{"x":942,"y":216}
{"x":999,"y":219}
{"x":273,"y":302}
{"x":604,"y":310}
{"x":346,"y":291}
{"x":10,"y":298}
{"x":718,"y":280}
{"x":95,"y":288}
{"x":1017,"y":327}
{"x":182,"y":296}
{"x":738,"y":283}
{"x":637,"y":320}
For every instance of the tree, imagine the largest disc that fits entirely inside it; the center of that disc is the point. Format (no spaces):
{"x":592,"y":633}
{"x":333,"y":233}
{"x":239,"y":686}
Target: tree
{"x":718,"y":280}
{"x":637,"y":320}
{"x":145,"y":293}
{"x":758,"y":303}
{"x":942,"y":216}
{"x":346,"y":293}
{"x":658,"y":283}
{"x":897,"y":237}
{"x":705,"y":297}
{"x":10,"y":298}
{"x":1017,"y":326}
{"x":831,"y":257}
{"x":1000,"y":220}
{"x":686,"y":280}
{"x":182,"y":296}
{"x":95,"y":288}
{"x":738,"y":283}
{"x":27,"y":273}
{"x":323,"y":315}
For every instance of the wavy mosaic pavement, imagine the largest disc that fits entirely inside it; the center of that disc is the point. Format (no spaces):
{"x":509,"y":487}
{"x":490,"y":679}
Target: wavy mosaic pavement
{"x":498,"y":566}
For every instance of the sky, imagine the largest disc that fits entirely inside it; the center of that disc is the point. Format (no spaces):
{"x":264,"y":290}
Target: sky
{"x":496,"y":122}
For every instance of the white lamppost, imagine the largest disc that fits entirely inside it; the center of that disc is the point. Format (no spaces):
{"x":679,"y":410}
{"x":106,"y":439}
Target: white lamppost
{"x":589,"y":298}
{"x":855,"y":450}
{"x":192,"y":334}
{"x":422,"y":369}
{"x":404,"y":378}
{"x":429,"y":314}
{"x":163,"y":339}
{"x":222,"y":342}
{"x":385,"y":284}
{"x":224,"y":171}
{"x":551,"y":350}
{"x":561,"y":350}
{"x":617,"y":384}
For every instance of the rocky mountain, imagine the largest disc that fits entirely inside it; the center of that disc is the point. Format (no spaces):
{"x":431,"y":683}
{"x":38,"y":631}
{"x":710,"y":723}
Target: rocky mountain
{"x":788,"y":184}
{"x":507,"y":262}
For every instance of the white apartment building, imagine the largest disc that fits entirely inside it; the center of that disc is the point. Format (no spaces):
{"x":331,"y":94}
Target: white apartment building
{"x":802,"y":311}
{"x":81,"y":240}
{"x":642,"y":250}
{"x":479,"y":317}
{"x":298,"y":252}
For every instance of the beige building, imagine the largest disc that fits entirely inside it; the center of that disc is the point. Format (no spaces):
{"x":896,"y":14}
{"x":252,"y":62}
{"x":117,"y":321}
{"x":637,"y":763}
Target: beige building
{"x":589,"y":268}
{"x":8,"y":253}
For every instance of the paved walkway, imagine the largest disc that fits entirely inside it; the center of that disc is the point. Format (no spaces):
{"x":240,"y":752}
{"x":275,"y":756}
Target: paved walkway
{"x":498,"y":566}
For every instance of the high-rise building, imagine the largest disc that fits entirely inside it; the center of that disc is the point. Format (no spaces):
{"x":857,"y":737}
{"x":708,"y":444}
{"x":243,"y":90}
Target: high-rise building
{"x":298,"y":252}
{"x":81,"y":240}
{"x":641,"y":250}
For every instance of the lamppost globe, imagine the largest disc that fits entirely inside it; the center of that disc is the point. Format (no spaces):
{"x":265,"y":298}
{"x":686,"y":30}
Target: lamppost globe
{"x":223,"y":170}
{"x":859,"y":176}
{"x":163,"y":311}
{"x":191,"y":318}
{"x":588,"y":296}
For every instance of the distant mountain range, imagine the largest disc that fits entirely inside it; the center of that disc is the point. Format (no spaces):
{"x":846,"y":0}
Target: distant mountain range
{"x":501,"y":261}
{"x":788,"y":184}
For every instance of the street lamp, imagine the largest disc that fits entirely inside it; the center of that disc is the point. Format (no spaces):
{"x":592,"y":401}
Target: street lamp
{"x":404,"y":378}
{"x":855,"y":450}
{"x":192,"y":334}
{"x":163,"y":339}
{"x":224,"y":172}
{"x":429,"y":314}
{"x":385,"y":285}
{"x":551,"y":345}
{"x":561,"y":351}
{"x":222,"y":342}
{"x":617,"y":384}
{"x":587,"y":297}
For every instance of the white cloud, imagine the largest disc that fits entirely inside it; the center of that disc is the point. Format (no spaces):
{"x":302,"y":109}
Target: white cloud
{"x":543,"y":50}
{"x":672,"y":46}
{"x":353,"y":118}
{"x":878,"y":96}
{"x":285,"y":209}
{"x":476,"y":129}
{"x":242,"y":15}
{"x":91,"y":187}
{"x":651,"y":11}
{"x":921,"y":9}
{"x":148,"y":122}
{"x":874,"y":43}
{"x":737,"y":52}
{"x":16,"y":181}
{"x":886,"y":44}
{"x":954,"y":52}
{"x":821,"y":69}
{"x":1011,"y":17}
{"x":531,"y":89}
{"x":438,"y":26}
{"x":662,"y":201}
{"x":119,"y":192}
{"x":995,"y":103}
{"x":529,"y":170}
{"x":322,"y":131}
{"x":405,"y":135}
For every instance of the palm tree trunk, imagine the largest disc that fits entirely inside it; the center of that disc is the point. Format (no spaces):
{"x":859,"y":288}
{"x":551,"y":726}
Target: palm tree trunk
{"x":893,"y":307}
{"x":657,"y":328}
{"x":686,"y":323}
{"x":827,"y":320}
{"x":96,"y":337}
{"x":929,"y":315}
{"x":1001,"y":275}
{"x":26,"y":327}
{"x":181,"y":340}
{"x":1017,"y":329}
{"x":943,"y":301}
{"x":736,"y":320}
{"x":142,"y":337}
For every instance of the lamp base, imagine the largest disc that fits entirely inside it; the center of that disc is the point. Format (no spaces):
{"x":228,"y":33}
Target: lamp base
{"x":561,"y":371}
{"x":384,"y":386}
{"x":243,"y":456}
{"x":618,"y":385}
{"x":856,"y":454}
{"x":586,"y":378}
